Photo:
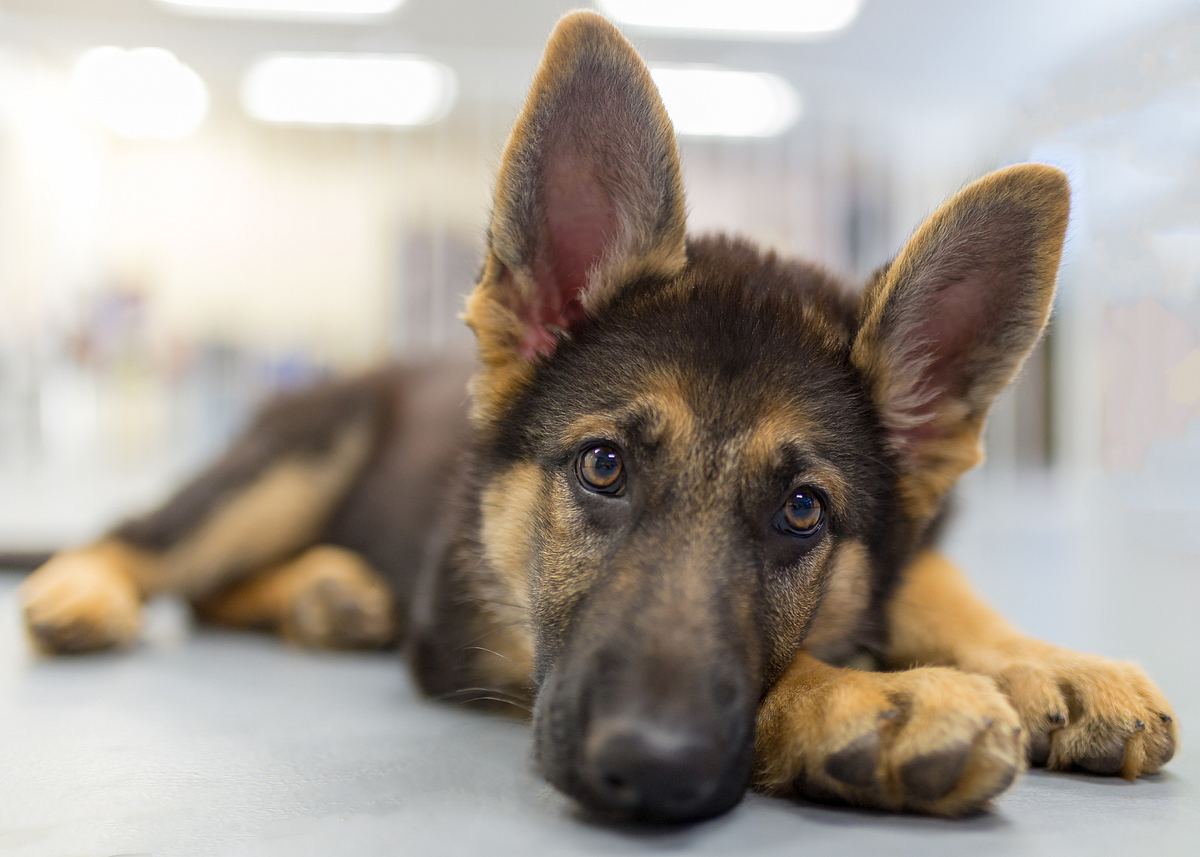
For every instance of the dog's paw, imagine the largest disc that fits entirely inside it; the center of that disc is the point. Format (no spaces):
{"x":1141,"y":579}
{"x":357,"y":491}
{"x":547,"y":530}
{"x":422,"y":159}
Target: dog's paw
{"x":340,"y":604}
{"x":1087,"y":712}
{"x":927,"y":740}
{"x":80,"y":601}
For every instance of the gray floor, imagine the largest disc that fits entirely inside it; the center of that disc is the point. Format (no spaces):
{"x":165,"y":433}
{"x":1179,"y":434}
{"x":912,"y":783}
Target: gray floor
{"x":212,"y":743}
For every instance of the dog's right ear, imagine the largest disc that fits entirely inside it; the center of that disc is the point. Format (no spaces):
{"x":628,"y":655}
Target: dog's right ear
{"x":588,"y":198}
{"x":946,"y":326}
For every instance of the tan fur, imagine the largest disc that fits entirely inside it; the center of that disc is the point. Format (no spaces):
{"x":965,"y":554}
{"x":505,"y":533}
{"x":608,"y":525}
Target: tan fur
{"x":1083,"y":710}
{"x":1028,"y":196}
{"x":660,"y":401}
{"x":890,"y":723}
{"x":780,"y":428}
{"x":85,"y":599}
{"x":504,"y":657}
{"x":846,"y":598}
{"x":498,"y":332}
{"x":507,"y":280}
{"x":81,"y":599}
{"x":327,"y":597}
{"x":672,"y":420}
{"x":284,"y":508}
{"x":510,"y":502}
{"x":503,"y":642}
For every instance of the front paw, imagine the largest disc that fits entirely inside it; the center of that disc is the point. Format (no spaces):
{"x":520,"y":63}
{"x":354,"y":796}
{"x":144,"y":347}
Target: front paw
{"x":80,"y":602}
{"x":1087,"y":712}
{"x":339,"y":604}
{"x":926,"y":740}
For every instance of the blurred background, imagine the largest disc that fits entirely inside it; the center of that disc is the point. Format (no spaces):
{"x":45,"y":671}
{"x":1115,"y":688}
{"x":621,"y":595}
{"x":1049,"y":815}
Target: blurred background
{"x":202,"y":201}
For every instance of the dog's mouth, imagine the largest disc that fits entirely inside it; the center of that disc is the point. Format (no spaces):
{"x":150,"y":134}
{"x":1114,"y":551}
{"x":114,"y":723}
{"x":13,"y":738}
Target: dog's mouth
{"x":636,"y":761}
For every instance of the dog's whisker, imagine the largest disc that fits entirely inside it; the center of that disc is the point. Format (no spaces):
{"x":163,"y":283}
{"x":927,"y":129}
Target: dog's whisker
{"x":471,"y":599}
{"x":453,"y":693}
{"x":524,"y":708}
{"x":493,"y":694}
{"x":500,"y":626}
{"x":485,"y":649}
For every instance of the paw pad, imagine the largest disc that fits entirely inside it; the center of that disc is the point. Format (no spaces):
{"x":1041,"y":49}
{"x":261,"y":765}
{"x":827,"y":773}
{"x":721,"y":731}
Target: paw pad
{"x":932,"y":776}
{"x":855,"y":763}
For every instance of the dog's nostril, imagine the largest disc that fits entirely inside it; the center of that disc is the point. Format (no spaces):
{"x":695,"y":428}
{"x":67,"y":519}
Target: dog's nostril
{"x":651,"y":771}
{"x":618,"y":785}
{"x":616,"y":790}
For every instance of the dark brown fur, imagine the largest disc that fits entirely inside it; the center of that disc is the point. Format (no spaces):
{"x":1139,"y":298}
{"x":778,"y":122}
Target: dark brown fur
{"x":676,"y":642}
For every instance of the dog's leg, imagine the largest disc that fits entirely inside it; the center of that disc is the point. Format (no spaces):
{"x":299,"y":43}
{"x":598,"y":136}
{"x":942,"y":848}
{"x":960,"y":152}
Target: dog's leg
{"x":931,"y":740}
{"x":267,"y":498}
{"x":326,"y":597}
{"x":1079,"y":710}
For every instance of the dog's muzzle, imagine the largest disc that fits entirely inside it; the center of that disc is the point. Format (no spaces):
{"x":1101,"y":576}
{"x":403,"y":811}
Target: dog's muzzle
{"x":638,"y":744}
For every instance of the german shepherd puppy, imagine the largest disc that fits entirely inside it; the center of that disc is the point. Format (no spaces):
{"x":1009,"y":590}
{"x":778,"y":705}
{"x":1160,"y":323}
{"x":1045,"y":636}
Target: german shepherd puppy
{"x":697,"y":482}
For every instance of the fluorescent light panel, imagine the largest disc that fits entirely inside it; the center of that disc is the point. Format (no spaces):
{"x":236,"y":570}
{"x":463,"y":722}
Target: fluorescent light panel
{"x":141,"y":93}
{"x":348,"y":89}
{"x":754,"y":18}
{"x":317,"y":9}
{"x":704,"y":101}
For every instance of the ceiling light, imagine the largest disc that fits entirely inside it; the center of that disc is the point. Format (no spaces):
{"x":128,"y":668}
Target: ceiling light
{"x":140,"y":94}
{"x":345,"y":89}
{"x":326,"y":9}
{"x":761,"y":18}
{"x":704,"y":101}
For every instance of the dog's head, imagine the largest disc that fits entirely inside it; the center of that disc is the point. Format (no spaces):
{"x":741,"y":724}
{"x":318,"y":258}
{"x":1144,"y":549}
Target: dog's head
{"x":698,"y":456}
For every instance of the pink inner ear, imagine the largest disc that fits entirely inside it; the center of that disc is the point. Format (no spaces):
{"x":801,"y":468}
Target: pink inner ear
{"x":955,"y":321}
{"x":956,"y":316}
{"x":580,"y":222}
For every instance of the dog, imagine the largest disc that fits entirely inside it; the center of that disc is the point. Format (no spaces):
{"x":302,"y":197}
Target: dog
{"x":696,"y":487}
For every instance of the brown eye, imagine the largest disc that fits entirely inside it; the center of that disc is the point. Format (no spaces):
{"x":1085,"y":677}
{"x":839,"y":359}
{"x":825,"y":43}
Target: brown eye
{"x":802,"y":514}
{"x":600,"y":470}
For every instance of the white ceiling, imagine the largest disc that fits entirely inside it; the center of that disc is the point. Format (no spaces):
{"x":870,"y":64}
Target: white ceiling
{"x":898,"y":55}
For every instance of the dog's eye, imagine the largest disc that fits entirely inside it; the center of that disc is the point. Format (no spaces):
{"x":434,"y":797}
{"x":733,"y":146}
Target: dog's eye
{"x":802,"y":515}
{"x":600,"y":469}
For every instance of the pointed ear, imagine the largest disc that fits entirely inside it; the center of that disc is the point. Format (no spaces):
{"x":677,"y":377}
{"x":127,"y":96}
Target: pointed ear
{"x":947,"y":325}
{"x":588,"y":197}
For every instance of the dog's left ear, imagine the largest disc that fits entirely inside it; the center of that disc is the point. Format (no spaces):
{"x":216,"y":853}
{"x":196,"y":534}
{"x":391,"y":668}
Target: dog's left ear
{"x":588,"y":197}
{"x":947,"y":325}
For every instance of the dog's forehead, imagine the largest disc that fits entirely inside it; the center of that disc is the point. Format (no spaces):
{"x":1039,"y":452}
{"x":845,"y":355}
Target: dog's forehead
{"x":681,"y":405}
{"x":752,"y":350}
{"x":684,"y":414}
{"x":743,"y":354}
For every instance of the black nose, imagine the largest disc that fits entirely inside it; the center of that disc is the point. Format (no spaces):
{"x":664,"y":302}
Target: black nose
{"x":653,"y":772}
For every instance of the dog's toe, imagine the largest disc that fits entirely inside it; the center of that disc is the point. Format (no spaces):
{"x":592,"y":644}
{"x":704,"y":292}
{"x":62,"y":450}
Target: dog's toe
{"x":926,"y":740}
{"x":1087,"y":713}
